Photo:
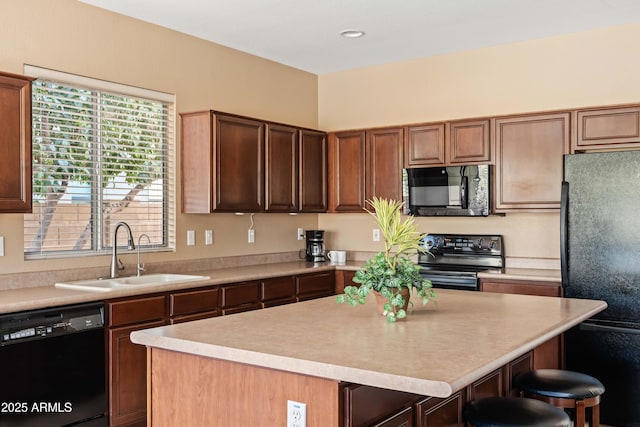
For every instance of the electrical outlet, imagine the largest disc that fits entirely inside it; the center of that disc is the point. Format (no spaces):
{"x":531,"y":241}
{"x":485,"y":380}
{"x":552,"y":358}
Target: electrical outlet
{"x":191,"y":237}
{"x":376,"y":234}
{"x":252,"y":235}
{"x":1,"y":245}
{"x":300,"y":233}
{"x":208,"y":237}
{"x":296,"y":414}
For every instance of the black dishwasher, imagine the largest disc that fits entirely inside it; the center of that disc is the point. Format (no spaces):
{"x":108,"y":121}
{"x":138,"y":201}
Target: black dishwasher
{"x":52,"y":367}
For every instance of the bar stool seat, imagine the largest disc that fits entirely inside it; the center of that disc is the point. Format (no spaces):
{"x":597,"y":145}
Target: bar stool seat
{"x":514,"y":412}
{"x":564,"y":389}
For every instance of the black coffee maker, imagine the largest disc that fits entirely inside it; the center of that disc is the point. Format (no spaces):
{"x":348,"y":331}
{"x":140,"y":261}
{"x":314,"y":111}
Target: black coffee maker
{"x":315,"y":246}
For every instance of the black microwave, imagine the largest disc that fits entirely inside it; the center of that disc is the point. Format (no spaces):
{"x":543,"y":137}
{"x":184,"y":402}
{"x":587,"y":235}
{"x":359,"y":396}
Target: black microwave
{"x":447,"y":191}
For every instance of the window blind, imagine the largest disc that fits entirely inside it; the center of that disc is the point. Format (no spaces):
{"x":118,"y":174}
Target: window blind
{"x":102,"y":153}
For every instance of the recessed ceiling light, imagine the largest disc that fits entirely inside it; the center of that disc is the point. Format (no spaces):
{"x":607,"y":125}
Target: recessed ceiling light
{"x":352,"y":34}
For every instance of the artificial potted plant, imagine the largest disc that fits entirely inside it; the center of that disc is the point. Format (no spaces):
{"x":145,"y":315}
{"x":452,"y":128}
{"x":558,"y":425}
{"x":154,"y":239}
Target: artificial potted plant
{"x":391,"y":274}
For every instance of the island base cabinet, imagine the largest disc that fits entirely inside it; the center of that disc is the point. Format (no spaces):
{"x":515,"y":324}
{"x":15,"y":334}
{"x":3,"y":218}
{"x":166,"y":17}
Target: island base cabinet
{"x":195,"y":391}
{"x":438,"y":412}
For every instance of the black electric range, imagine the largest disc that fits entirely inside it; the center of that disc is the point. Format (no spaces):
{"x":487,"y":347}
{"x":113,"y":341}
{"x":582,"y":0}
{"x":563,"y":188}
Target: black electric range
{"x":453,"y":261}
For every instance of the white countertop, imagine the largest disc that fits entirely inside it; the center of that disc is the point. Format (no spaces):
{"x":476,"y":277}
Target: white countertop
{"x":437,"y":350}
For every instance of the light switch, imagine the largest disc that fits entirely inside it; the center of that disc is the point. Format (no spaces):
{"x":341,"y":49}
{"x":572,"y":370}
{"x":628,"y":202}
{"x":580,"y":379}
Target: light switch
{"x":191,"y":237}
{"x":208,"y":237}
{"x":1,"y":245}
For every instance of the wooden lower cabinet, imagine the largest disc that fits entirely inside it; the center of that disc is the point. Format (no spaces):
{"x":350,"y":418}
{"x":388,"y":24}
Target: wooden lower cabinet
{"x":128,"y":377}
{"x":522,"y":287}
{"x":278,"y":291}
{"x":441,"y":412}
{"x":240,"y":297}
{"x":127,"y":362}
{"x":372,"y":406}
{"x":343,"y":278}
{"x":315,"y":285}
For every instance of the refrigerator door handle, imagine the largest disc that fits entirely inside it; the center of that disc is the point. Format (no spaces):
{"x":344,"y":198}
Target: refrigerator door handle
{"x":564,"y":225}
{"x":593,"y":327}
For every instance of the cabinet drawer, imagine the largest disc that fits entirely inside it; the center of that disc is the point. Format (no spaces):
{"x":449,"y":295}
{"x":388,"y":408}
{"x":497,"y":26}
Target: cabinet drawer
{"x":136,"y":310}
{"x":241,"y":293}
{"x":524,"y":287}
{"x":315,"y":284}
{"x":190,"y":317}
{"x":278,"y":288}
{"x":191,"y":302}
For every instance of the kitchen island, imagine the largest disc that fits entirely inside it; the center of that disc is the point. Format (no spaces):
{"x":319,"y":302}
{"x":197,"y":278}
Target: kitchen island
{"x":242,"y":369}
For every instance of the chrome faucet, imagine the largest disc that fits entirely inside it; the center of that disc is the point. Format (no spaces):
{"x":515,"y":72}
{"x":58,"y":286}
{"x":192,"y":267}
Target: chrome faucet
{"x":116,"y":264}
{"x":140,"y":267}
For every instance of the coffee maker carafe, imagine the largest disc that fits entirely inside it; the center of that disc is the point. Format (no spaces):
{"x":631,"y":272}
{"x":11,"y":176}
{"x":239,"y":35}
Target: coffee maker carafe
{"x":315,"y":246}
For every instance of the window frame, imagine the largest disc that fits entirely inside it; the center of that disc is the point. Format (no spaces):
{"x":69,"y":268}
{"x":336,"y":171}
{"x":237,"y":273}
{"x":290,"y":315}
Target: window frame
{"x":99,"y":244}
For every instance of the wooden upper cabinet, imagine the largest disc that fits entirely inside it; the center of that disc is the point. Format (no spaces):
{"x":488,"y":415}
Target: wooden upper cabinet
{"x":529,"y":153}
{"x":222,"y":163}
{"x":347,"y":171}
{"x":468,"y":142}
{"x":313,"y":171}
{"x":451,"y":143}
{"x":239,"y":164}
{"x":425,"y":145}
{"x":281,"y":165}
{"x":15,"y":143}
{"x":384,"y":156}
{"x":608,"y":128}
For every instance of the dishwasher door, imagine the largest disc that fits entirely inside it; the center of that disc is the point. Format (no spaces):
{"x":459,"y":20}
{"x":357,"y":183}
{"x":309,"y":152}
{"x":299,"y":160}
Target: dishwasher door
{"x":52,"y":367}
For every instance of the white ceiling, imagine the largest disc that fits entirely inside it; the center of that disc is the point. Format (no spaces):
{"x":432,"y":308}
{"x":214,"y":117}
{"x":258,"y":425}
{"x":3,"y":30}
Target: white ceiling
{"x":305,"y":33}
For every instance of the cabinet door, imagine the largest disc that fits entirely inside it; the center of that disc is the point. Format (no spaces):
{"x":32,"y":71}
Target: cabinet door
{"x":608,"y":128}
{"x":15,"y":143}
{"x":522,"y":364}
{"x":437,"y":412}
{"x":384,"y":163}
{"x":403,"y":418}
{"x":281,"y":165}
{"x":313,"y":171}
{"x":488,"y":386}
{"x":347,"y":171}
{"x":278,"y":291}
{"x":529,"y":152}
{"x":468,"y":142}
{"x":127,"y":376}
{"x":315,"y":285}
{"x":425,"y":145}
{"x":344,"y":278}
{"x":239,"y":160}
{"x":366,"y":405}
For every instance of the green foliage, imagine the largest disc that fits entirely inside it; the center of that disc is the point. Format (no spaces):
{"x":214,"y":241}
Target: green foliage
{"x":389,"y":271}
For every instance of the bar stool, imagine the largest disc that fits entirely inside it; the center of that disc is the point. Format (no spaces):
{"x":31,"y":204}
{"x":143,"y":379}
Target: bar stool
{"x":564,"y":389}
{"x":514,"y":412}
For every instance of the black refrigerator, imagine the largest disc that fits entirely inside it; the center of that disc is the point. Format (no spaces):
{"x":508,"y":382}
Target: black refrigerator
{"x":600,"y":258}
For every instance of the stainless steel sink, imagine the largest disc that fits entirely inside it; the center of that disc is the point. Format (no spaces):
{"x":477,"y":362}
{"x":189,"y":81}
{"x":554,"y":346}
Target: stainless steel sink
{"x":106,"y":285}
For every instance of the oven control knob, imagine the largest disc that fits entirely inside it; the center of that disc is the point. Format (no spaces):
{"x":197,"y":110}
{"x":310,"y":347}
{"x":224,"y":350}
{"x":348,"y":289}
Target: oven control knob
{"x":480,"y":242}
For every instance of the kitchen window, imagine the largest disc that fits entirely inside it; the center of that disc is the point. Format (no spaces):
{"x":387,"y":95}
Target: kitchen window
{"x":102,"y":153}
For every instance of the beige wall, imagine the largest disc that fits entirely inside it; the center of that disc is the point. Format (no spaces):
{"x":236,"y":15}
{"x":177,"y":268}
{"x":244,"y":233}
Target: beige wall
{"x":73,"y":37}
{"x":592,"y":68}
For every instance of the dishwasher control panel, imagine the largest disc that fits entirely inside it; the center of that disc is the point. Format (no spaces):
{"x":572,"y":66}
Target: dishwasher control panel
{"x":30,"y":325}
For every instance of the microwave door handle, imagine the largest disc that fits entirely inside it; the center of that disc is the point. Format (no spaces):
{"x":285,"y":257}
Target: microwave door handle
{"x":463,"y":193}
